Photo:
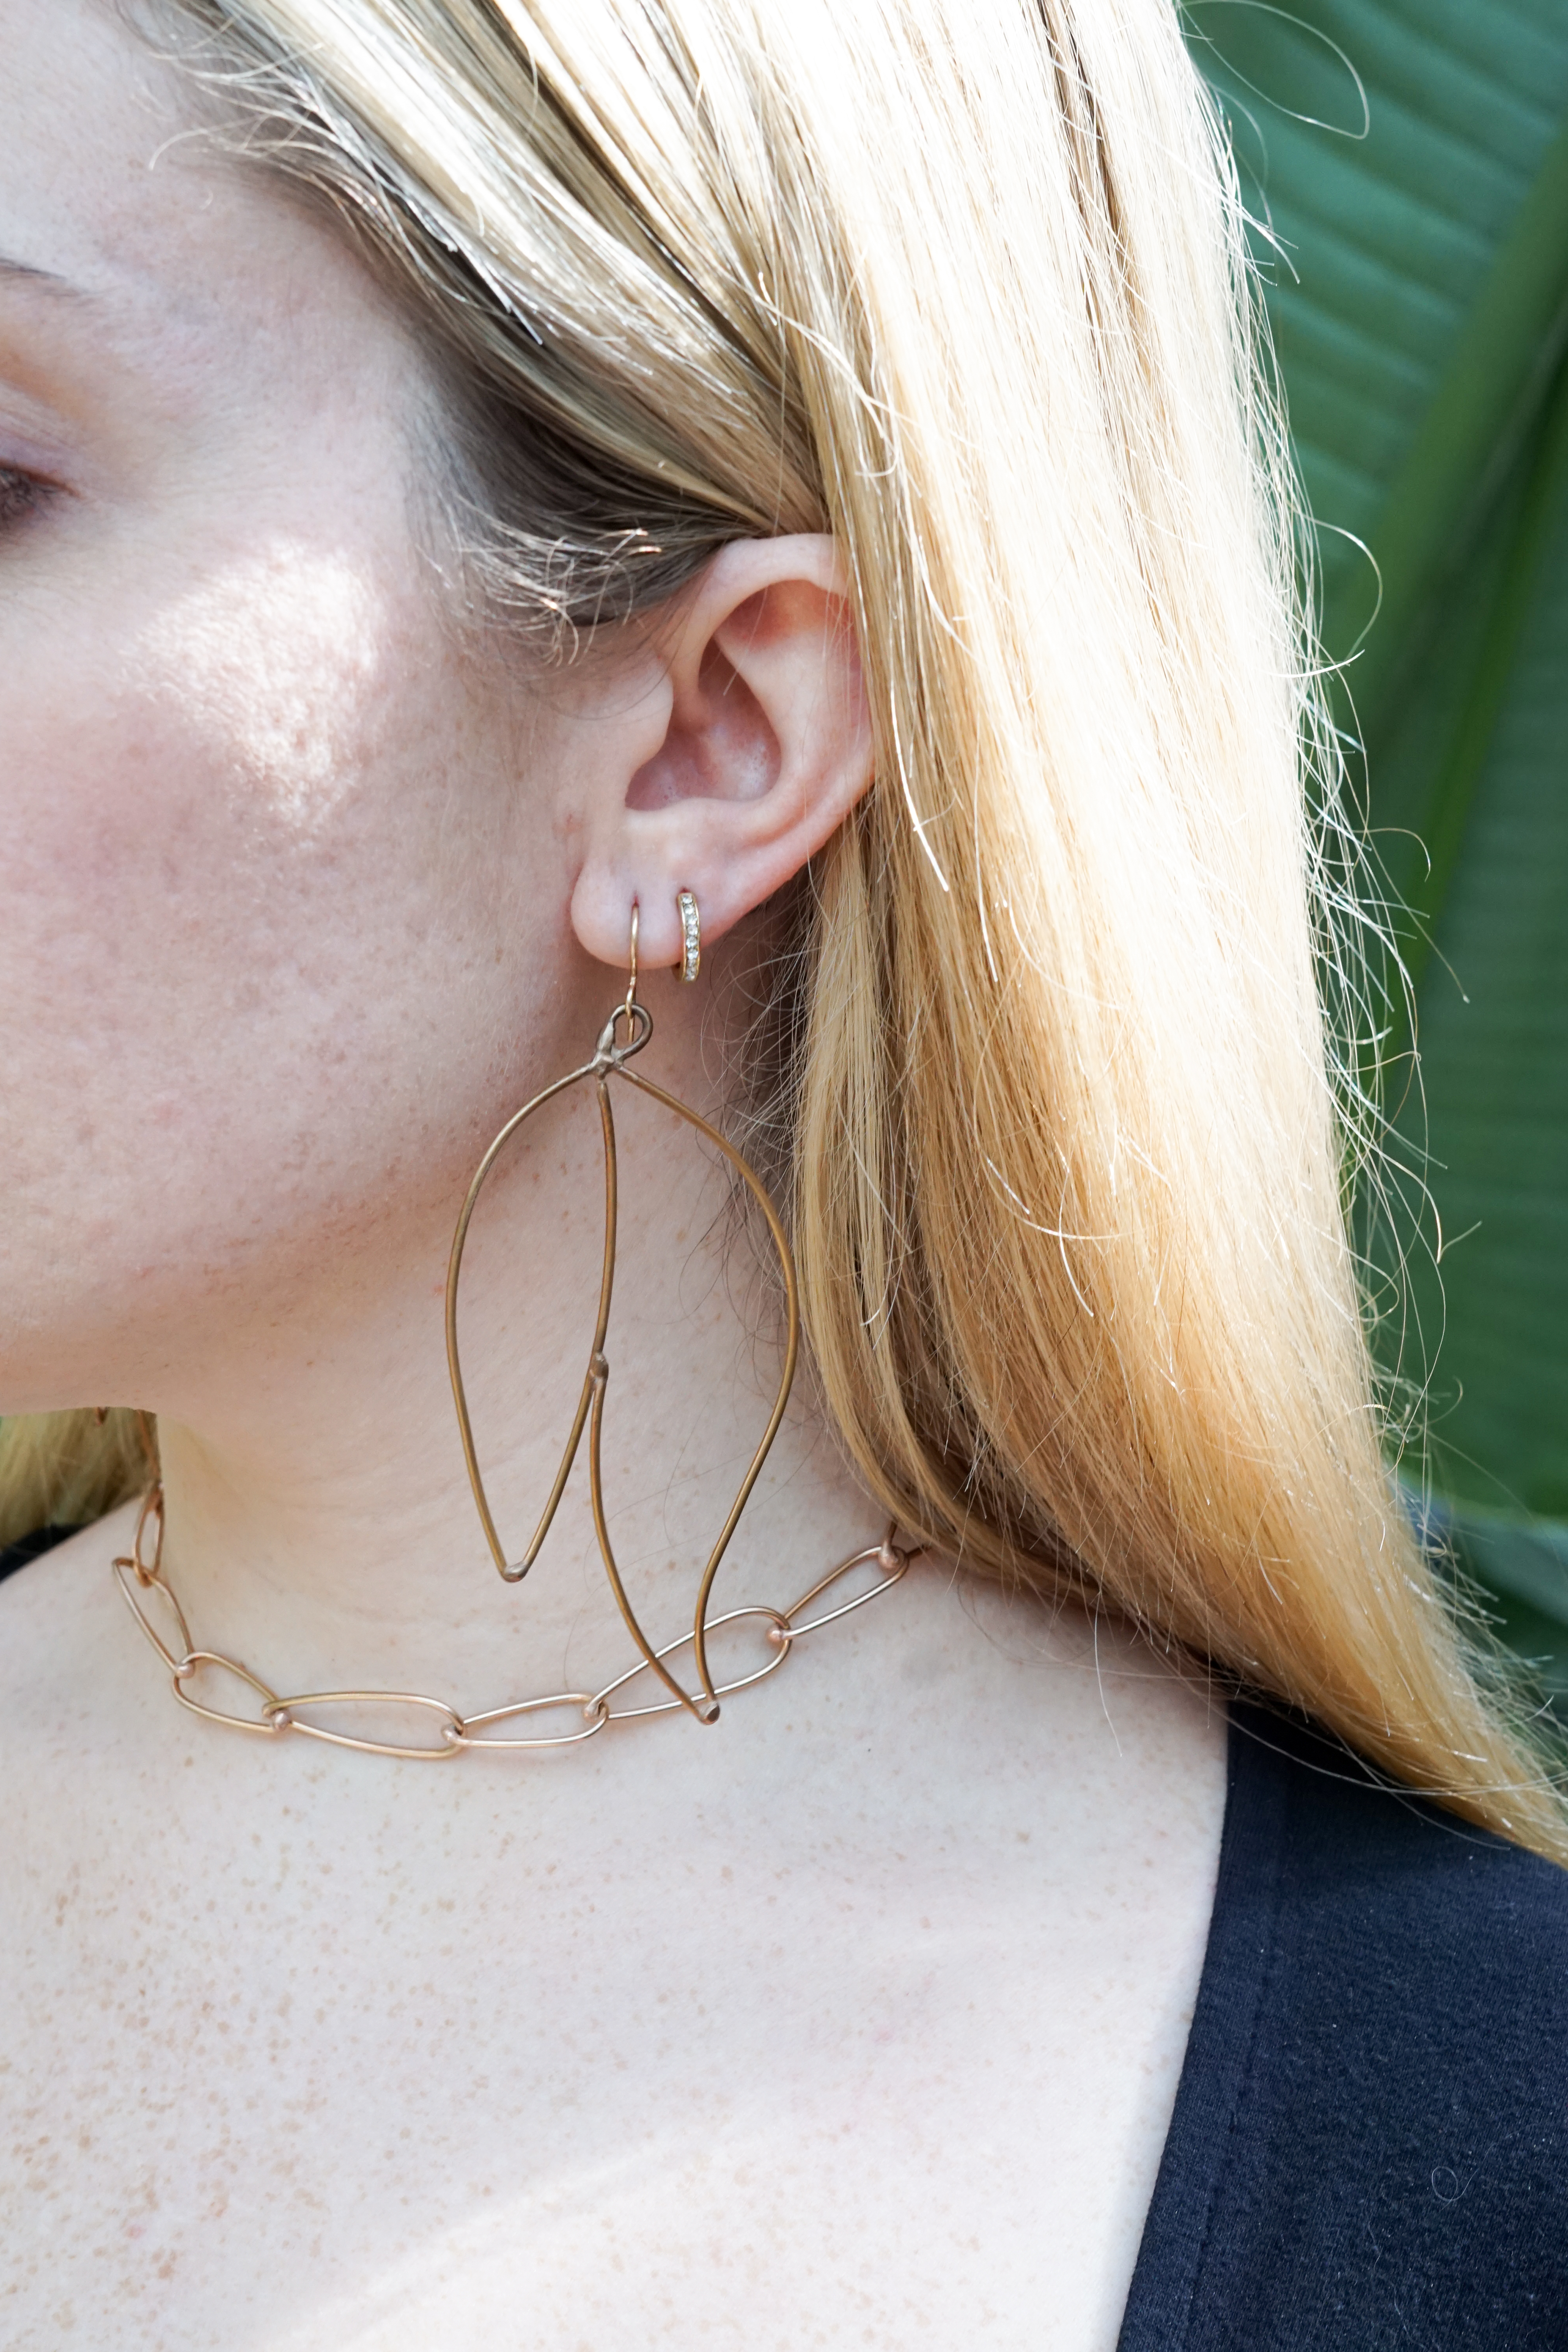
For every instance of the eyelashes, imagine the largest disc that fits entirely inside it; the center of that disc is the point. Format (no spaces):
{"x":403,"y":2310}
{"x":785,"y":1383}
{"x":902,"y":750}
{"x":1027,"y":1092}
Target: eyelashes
{"x":21,"y":495}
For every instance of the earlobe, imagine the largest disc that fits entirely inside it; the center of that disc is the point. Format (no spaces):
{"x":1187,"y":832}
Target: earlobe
{"x":766,"y":748}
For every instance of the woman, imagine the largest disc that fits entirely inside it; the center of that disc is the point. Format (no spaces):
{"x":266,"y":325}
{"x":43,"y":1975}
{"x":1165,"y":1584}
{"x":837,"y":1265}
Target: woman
{"x":477,"y":476}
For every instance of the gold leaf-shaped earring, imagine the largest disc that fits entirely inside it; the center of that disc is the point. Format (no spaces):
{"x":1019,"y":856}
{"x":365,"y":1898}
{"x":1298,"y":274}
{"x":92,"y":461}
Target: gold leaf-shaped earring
{"x":627,"y":1031}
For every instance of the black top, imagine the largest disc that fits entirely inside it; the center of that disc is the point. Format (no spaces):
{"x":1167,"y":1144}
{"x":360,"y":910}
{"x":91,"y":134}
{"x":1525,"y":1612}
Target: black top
{"x":33,"y":1547}
{"x":1370,"y":2142}
{"x":1369,"y":2151}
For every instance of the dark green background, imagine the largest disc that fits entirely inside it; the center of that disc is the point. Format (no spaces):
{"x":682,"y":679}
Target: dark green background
{"x":1410,"y":160}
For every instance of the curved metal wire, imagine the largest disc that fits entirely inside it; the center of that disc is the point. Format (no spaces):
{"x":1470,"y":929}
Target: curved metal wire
{"x":610,"y":1060}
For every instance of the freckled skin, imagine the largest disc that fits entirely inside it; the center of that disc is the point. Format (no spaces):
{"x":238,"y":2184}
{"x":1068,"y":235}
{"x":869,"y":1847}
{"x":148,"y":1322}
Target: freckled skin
{"x":855,"y":2019}
{"x":213,"y":701}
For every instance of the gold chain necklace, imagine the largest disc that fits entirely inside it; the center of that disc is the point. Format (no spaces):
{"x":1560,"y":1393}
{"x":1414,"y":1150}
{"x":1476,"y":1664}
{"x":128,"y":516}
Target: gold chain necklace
{"x":137,"y":1575}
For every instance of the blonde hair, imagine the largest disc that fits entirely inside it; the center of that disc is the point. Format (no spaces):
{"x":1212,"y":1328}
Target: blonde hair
{"x":964,"y":283}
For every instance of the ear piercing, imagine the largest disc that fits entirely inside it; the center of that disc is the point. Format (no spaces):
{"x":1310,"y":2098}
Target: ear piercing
{"x":691,"y":959}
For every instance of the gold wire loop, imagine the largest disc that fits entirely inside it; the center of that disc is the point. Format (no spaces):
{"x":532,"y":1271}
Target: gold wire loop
{"x":893,"y":1563}
{"x":284,"y":1714}
{"x":581,"y":1702}
{"x":151,"y":1509}
{"x":779,"y":1626}
{"x":266,"y":1723}
{"x":133,"y":1581}
{"x":610,"y":1053}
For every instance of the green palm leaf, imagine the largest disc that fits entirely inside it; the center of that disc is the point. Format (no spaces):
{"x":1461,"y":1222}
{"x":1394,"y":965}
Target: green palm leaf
{"x":1410,"y":159}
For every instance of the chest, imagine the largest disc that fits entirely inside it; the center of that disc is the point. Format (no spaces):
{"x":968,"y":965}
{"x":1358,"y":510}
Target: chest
{"x":874,"y":2052}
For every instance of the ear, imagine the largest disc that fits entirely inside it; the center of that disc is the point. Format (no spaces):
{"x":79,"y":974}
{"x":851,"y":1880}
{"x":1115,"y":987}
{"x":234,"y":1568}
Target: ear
{"x":763,"y":748}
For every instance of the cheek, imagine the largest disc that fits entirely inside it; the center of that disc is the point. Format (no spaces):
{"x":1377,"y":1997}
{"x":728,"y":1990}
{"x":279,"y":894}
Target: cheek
{"x":198,"y":749}
{"x":270,"y":680}
{"x":235,"y":913}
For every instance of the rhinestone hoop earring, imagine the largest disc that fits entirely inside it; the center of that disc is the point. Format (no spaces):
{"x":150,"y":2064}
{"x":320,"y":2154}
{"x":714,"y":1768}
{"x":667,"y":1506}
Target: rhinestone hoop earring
{"x":691,"y":959}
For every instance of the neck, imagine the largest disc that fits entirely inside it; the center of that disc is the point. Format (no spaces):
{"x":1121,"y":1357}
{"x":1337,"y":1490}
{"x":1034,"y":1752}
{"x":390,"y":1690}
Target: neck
{"x":320,"y":1522}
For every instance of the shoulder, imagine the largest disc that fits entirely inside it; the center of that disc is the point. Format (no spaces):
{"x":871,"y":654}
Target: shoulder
{"x":1387,"y":1909}
{"x":1369,"y":2145}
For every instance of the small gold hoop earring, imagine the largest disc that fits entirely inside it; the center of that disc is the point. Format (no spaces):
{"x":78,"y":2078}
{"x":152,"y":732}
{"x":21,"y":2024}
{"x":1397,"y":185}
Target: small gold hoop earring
{"x":625,"y":1033}
{"x":691,"y":959}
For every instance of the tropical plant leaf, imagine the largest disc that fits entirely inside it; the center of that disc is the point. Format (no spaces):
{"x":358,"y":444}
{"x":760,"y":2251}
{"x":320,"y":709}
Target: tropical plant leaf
{"x":1494,"y":1023}
{"x":1409,"y":159}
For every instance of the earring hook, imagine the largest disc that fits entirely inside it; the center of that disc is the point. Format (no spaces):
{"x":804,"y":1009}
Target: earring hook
{"x":632,"y":982}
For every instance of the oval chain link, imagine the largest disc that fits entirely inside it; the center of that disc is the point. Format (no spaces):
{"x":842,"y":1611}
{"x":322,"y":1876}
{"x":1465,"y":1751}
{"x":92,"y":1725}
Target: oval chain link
{"x":136,"y":1575}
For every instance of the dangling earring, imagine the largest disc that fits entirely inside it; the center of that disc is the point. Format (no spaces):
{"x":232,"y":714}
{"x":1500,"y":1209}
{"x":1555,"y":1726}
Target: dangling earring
{"x":627,"y":1031}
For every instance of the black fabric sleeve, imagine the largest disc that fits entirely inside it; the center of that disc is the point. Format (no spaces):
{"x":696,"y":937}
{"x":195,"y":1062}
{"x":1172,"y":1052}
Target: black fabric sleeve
{"x":28,"y":1549}
{"x":1369,"y":2148}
